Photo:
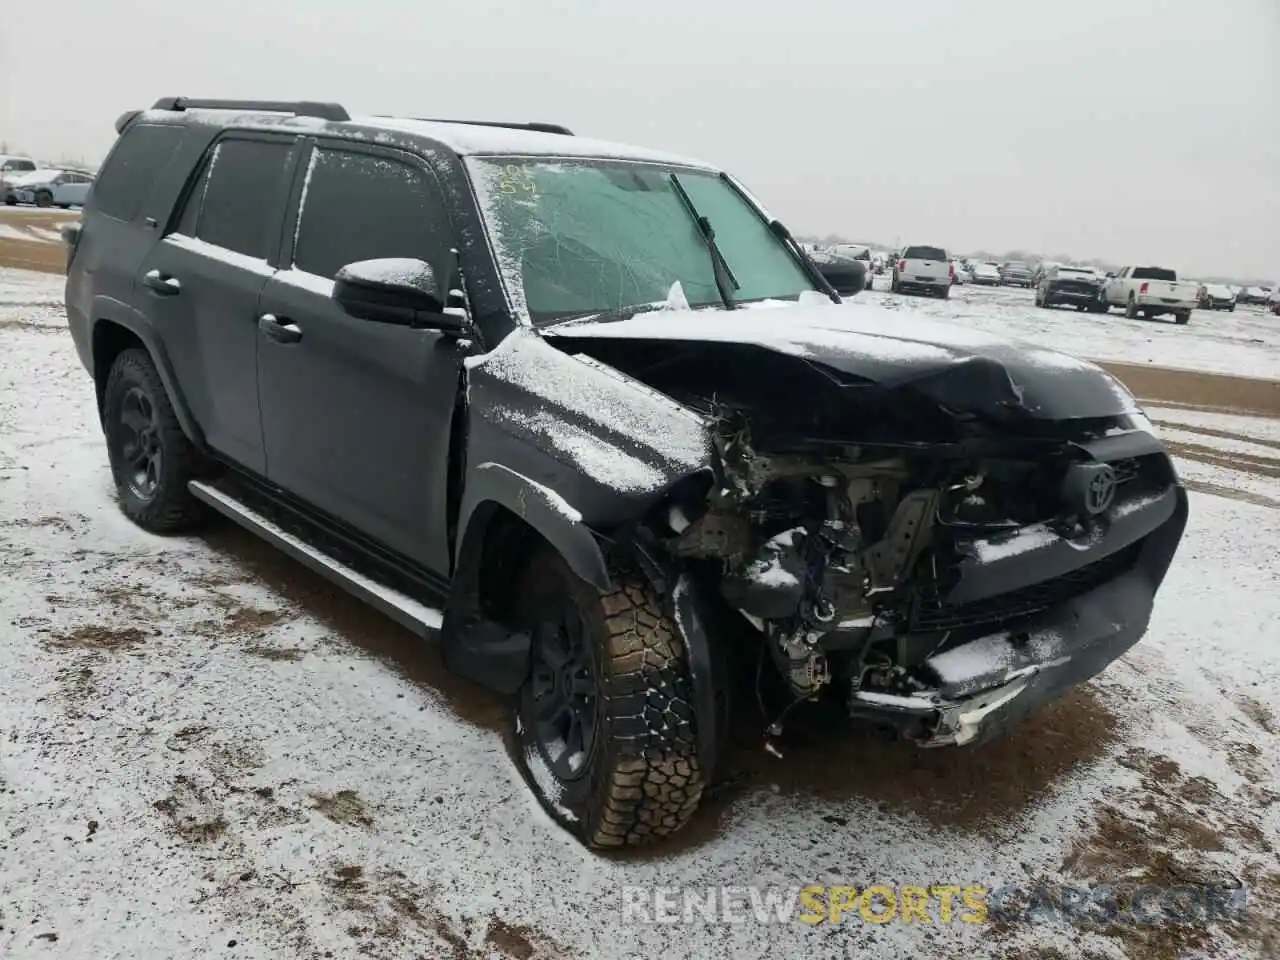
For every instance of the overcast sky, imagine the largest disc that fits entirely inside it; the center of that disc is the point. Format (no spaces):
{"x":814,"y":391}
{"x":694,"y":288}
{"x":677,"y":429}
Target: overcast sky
{"x":1135,"y":130}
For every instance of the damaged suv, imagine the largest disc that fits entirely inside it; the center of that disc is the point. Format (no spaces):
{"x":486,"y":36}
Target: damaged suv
{"x":589,"y":415}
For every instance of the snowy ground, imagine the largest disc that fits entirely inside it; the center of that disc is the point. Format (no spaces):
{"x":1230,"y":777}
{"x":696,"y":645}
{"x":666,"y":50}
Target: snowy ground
{"x":206,"y":752}
{"x":1244,"y":343}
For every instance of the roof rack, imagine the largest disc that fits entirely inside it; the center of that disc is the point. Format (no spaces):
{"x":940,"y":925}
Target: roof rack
{"x":536,"y":126}
{"x":301,"y":108}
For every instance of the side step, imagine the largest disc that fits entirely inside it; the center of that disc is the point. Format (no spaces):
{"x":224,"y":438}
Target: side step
{"x":418,"y":617}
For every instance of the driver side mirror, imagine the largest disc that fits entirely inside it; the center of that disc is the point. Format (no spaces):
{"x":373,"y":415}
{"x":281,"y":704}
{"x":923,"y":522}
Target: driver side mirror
{"x":400,"y":291}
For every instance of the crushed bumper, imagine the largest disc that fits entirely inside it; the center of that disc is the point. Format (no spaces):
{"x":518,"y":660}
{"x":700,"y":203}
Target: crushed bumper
{"x":982,"y":687}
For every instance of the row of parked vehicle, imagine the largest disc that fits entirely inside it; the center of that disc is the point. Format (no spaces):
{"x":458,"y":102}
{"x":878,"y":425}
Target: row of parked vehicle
{"x":1141,"y":291}
{"x":22,"y":180}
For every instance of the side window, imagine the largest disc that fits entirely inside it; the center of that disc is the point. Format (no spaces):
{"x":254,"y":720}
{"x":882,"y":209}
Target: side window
{"x":361,"y":207}
{"x":243,"y":187}
{"x":132,"y":167}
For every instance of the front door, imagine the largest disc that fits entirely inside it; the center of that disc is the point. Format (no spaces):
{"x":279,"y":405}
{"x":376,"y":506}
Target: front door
{"x":356,"y":414}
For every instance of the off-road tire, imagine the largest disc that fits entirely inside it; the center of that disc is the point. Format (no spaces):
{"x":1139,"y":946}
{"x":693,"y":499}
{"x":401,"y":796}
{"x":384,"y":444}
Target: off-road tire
{"x":641,"y":780}
{"x":172,"y":508}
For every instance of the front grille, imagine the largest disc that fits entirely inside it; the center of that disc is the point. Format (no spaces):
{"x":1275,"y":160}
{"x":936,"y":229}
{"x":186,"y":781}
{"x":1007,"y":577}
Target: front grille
{"x":1126,"y":470}
{"x":933,"y":614}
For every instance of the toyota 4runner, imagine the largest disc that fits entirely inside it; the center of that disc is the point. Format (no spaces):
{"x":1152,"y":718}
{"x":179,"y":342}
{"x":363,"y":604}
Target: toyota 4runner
{"x":590,"y":416}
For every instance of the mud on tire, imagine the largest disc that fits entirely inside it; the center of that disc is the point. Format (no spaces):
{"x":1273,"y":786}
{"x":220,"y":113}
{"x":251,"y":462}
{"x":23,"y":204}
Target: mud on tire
{"x":135,"y":403}
{"x":638,"y":779}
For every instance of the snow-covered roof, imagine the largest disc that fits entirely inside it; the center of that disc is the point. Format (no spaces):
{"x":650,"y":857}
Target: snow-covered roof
{"x":476,"y":140}
{"x":467,"y":139}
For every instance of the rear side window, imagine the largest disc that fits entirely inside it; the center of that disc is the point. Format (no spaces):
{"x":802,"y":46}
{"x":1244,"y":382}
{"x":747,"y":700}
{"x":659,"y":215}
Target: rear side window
{"x":238,"y":196}
{"x":924,"y":253}
{"x":132,"y":168}
{"x":358,"y":206}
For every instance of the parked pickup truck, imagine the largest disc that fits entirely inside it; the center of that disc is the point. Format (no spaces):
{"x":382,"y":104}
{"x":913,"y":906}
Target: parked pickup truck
{"x":1151,"y":292}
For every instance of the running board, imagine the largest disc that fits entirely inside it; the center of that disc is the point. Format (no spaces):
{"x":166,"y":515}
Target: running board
{"x":418,"y":617}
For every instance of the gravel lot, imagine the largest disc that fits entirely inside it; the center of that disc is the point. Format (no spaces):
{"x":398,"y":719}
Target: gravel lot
{"x":205,"y":751}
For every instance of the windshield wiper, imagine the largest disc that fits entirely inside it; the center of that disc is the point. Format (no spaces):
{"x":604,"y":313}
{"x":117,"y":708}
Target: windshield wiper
{"x":726,"y":283}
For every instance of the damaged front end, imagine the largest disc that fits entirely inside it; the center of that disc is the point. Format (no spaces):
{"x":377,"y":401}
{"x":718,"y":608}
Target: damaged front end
{"x":942,"y":574}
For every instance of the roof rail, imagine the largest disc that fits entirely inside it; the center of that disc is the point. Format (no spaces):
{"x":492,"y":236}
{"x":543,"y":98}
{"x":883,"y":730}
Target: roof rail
{"x":537,"y":126}
{"x":301,"y":108}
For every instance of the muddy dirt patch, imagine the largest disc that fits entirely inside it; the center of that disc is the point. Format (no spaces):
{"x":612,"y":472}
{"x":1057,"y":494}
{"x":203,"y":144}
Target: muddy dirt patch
{"x":100,"y":638}
{"x":344,"y":807}
{"x":1172,"y":833}
{"x":970,"y":788}
{"x":191,"y":813}
{"x":276,"y":654}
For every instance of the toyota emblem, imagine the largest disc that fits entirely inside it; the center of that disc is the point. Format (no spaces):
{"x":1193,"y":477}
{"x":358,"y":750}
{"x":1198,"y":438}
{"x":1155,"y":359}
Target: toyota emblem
{"x":1101,"y":490}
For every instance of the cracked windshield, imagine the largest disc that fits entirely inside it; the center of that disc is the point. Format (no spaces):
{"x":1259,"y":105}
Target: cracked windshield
{"x":577,"y":239}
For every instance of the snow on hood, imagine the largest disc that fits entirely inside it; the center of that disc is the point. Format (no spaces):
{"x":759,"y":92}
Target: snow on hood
{"x":889,"y":347}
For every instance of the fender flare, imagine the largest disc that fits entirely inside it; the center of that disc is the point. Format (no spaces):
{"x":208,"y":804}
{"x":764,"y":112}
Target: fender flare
{"x":540,"y":507}
{"x":471,"y":645}
{"x":117,"y":312}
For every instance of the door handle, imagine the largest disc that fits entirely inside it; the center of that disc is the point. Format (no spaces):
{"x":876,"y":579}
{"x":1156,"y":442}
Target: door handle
{"x":162,"y":283}
{"x":279,"y":329}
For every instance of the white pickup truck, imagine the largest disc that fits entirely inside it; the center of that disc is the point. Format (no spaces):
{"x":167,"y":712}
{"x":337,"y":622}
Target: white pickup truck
{"x":1151,"y":292}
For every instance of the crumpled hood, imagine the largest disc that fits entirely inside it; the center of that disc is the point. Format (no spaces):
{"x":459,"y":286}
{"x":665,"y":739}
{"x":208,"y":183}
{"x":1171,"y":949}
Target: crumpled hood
{"x":859,"y":343}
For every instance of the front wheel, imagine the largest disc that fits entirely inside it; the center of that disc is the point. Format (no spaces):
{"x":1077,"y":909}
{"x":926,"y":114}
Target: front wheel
{"x":605,"y":723}
{"x":44,"y":199}
{"x":151,"y":458}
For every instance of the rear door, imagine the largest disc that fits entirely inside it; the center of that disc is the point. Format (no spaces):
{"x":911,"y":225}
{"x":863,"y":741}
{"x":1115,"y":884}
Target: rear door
{"x":925,"y":263}
{"x":357,"y":415}
{"x":200,"y":285}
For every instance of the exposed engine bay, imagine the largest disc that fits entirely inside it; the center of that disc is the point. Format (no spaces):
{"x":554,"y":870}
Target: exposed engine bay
{"x":834,"y":550}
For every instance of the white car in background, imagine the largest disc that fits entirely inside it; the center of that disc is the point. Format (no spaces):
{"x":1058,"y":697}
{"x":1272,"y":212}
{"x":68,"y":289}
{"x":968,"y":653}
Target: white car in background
{"x":51,"y":188}
{"x":11,"y":168}
{"x":960,"y":272}
{"x":923,"y":268}
{"x":984,"y":274}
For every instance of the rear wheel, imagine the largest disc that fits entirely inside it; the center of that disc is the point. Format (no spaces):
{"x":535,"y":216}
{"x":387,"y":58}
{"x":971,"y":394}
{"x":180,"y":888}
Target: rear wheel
{"x":1131,"y":308}
{"x":151,"y":458}
{"x":1183,"y":318}
{"x":944,"y":293}
{"x":605,"y":721}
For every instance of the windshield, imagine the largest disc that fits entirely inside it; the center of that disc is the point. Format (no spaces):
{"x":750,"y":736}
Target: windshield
{"x":580,"y":237}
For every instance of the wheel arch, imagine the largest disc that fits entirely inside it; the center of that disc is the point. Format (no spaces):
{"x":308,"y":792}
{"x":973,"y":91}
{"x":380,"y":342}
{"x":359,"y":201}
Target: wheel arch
{"x":115,"y":329}
{"x":503,"y":520}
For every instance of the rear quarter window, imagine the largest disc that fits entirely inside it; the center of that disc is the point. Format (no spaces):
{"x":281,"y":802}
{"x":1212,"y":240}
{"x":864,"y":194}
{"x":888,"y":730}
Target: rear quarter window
{"x":133,"y":166}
